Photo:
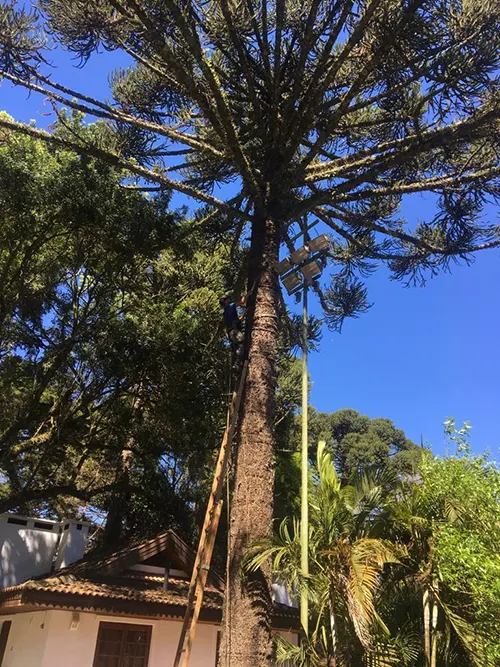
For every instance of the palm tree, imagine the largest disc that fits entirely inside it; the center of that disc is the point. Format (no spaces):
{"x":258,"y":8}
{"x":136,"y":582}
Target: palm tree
{"x":417,"y":517}
{"x":346,"y":561}
{"x":362,"y":611}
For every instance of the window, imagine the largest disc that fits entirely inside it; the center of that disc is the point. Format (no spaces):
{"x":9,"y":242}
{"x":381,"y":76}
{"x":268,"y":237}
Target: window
{"x":122,"y":645}
{"x":4,"y":636}
{"x":44,"y":525}
{"x":18,"y":522}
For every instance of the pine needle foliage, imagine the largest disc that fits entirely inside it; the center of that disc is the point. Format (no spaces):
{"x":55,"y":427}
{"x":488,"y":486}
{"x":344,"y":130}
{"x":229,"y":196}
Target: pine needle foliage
{"x":336,"y":110}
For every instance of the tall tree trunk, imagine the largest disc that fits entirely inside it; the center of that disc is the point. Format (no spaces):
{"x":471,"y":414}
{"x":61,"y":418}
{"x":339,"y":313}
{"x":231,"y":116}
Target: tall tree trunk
{"x":333,"y":631}
{"x":434,"y":623}
{"x":246,"y":635}
{"x":427,"y":625}
{"x":113,"y":528}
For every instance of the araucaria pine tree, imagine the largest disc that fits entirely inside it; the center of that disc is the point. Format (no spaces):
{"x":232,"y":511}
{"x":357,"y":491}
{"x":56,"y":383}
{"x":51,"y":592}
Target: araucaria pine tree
{"x":337,"y":109}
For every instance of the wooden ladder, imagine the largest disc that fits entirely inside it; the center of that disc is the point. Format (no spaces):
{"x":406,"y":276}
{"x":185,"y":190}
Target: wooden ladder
{"x":209,"y":531}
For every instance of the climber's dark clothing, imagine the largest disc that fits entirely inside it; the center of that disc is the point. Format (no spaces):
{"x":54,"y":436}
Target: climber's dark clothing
{"x":231,"y":317}
{"x":233,"y":326}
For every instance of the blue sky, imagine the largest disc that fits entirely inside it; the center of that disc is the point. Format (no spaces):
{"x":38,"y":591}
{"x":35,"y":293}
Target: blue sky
{"x":419,"y":355}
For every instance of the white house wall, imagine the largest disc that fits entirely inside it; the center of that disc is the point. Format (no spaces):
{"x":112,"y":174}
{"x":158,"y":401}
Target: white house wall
{"x":28,"y":546}
{"x":80,"y":642}
{"x":27,"y":639}
{"x":74,"y":537}
{"x":67,"y":646}
{"x":61,"y":638}
{"x":45,"y":639}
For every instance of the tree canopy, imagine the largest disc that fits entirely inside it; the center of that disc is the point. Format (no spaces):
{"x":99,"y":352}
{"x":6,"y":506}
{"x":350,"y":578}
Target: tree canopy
{"x":355,"y":442}
{"x":358,"y":442}
{"x":113,"y":367}
{"x":104,"y":337}
{"x":333,"y":110}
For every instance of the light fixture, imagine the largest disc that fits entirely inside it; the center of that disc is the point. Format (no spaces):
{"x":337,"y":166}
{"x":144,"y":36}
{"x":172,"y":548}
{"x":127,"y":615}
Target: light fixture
{"x":319,"y":243}
{"x":75,"y":621}
{"x":284,"y":266}
{"x":292,"y":282}
{"x":310,"y":270}
{"x":300,"y":255}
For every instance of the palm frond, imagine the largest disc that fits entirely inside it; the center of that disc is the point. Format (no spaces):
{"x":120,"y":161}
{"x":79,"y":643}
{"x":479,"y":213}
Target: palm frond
{"x":469,"y":637}
{"x":304,"y":655}
{"x":328,"y":477}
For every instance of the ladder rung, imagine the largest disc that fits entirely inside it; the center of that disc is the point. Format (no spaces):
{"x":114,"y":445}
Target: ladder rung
{"x":212,"y":518}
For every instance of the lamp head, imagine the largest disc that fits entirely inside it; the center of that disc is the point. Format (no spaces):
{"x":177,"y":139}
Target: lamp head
{"x":311,"y":270}
{"x":319,"y":243}
{"x":292,"y":282}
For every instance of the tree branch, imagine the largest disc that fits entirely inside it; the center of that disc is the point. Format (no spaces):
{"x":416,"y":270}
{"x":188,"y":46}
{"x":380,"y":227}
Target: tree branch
{"x":29,"y":495}
{"x":122,"y":163}
{"x":109,"y":113}
{"x":383,"y":229}
{"x":429,"y":184}
{"x":423,"y":141}
{"x":316,"y":91}
{"x":357,"y":85}
{"x":224,"y":114}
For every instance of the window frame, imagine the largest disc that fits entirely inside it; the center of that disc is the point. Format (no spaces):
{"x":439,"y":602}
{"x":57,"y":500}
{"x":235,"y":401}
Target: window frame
{"x":137,"y":627}
{"x":218,"y":642}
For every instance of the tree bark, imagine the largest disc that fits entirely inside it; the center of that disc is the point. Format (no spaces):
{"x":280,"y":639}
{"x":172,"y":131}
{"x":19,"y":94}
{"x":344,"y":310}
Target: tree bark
{"x":333,"y":625}
{"x":333,"y":631}
{"x":246,"y":635}
{"x":427,"y":625}
{"x":113,"y":528}
{"x":434,"y":623}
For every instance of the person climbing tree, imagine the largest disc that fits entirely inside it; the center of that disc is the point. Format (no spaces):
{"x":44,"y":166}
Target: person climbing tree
{"x":233,"y":324}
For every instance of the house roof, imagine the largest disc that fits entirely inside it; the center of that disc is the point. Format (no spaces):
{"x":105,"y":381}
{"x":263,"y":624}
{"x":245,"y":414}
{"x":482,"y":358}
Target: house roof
{"x":107,"y":584}
{"x":175,"y":549}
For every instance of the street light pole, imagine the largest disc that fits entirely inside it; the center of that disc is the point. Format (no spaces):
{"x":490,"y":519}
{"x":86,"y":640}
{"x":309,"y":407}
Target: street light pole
{"x":297,"y":272}
{"x":304,"y":505}
{"x":304,"y":460}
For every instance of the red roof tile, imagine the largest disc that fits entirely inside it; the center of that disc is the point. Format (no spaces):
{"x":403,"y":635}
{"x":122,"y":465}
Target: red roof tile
{"x":107,"y":583}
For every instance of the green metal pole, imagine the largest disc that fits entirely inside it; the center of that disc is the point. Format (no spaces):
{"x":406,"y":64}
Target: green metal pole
{"x":304,"y":507}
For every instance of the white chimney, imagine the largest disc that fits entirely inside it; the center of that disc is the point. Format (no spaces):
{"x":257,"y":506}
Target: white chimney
{"x":28,"y":546}
{"x":74,"y":535}
{"x":281,"y":594}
